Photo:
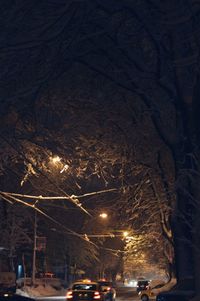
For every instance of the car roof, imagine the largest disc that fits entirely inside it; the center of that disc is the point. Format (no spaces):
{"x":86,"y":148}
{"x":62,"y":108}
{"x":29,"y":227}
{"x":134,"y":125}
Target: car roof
{"x":145,"y":282}
{"x":84,"y":282}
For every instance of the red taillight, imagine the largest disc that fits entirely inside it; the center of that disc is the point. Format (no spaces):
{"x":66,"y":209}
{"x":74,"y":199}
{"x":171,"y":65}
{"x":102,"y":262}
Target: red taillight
{"x":69,"y":295}
{"x":97,"y":295}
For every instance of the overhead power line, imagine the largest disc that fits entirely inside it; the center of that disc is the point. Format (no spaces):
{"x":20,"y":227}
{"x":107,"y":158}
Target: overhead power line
{"x":8,"y":198}
{"x":73,"y":200}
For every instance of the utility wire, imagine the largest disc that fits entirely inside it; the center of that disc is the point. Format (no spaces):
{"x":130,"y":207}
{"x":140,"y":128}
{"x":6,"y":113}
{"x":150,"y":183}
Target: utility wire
{"x":73,"y":200}
{"x":40,"y":197}
{"x":69,"y":231}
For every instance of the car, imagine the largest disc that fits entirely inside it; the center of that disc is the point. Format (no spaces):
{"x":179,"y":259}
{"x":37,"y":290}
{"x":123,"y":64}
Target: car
{"x":142,"y":285}
{"x":108,"y":288}
{"x":132,"y":282}
{"x":7,"y":283}
{"x":150,"y":292}
{"x":86,"y":290}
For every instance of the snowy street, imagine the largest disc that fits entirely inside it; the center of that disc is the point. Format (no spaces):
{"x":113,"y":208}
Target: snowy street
{"x":123,"y":294}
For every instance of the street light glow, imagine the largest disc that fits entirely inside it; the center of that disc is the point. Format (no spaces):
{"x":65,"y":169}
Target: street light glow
{"x":103,"y":215}
{"x":55,"y":159}
{"x":125,"y":233}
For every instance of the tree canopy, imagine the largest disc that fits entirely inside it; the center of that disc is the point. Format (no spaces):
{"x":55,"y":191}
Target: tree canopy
{"x":111,"y":88}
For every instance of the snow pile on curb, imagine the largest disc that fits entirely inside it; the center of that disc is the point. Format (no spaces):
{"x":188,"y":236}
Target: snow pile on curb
{"x":165,"y":288}
{"x":40,"y":290}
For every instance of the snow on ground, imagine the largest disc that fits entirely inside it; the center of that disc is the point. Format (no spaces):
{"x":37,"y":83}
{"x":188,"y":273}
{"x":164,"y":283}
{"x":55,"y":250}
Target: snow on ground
{"x":40,"y":290}
{"x":165,"y":288}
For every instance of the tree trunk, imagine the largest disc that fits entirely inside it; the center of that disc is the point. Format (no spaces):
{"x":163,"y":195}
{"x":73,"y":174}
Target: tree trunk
{"x":196,"y":239}
{"x":171,"y":271}
{"x":182,"y":241}
{"x":183,"y":215}
{"x":185,"y":210}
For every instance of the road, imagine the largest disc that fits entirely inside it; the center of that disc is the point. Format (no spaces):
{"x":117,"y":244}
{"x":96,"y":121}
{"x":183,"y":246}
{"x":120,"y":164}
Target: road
{"x":123,"y":294}
{"x":126,"y":294}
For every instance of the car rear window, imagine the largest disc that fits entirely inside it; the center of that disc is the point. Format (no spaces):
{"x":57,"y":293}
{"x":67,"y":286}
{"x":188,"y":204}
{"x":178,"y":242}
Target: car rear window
{"x":142,"y":283}
{"x":85,"y":287}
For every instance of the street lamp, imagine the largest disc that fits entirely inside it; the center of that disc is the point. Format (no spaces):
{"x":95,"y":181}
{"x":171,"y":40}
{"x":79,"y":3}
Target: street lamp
{"x":125,"y":233}
{"x":56,"y":162}
{"x":103,"y":215}
{"x":55,"y":159}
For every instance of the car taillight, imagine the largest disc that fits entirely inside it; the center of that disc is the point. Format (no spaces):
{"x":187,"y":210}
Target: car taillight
{"x":69,"y":295}
{"x":97,"y":295}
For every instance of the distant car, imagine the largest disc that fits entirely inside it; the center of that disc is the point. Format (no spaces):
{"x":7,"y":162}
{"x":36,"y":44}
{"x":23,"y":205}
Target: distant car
{"x":86,"y":290}
{"x":132,"y":282}
{"x":108,"y":288}
{"x":142,"y":285}
{"x":46,"y":275}
{"x":150,"y":292}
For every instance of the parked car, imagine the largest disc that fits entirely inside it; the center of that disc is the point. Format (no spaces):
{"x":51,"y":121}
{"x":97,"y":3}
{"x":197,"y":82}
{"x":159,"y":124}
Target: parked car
{"x":108,"y":288}
{"x":150,"y":292}
{"x":142,"y":285}
{"x":86,"y":290}
{"x":7,"y":284}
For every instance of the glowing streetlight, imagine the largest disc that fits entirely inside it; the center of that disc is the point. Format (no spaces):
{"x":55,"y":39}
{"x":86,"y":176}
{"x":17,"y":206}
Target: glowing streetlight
{"x":125,"y":233}
{"x":103,"y":215}
{"x":55,"y":159}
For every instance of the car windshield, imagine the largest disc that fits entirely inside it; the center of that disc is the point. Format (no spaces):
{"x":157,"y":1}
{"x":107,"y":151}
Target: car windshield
{"x":84,"y":287}
{"x":143,"y":283}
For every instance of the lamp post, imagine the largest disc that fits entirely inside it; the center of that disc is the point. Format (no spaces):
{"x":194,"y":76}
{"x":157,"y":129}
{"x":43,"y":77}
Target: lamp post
{"x":34,"y":248}
{"x":34,"y":244}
